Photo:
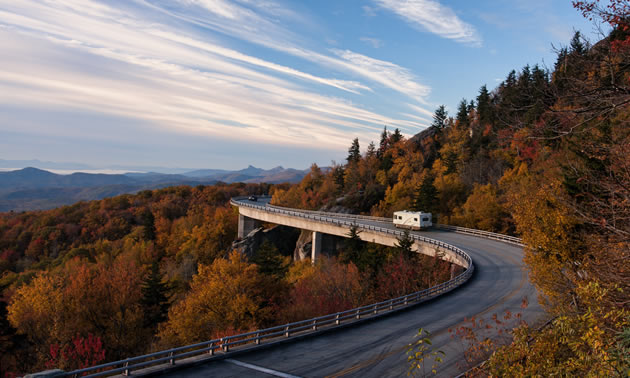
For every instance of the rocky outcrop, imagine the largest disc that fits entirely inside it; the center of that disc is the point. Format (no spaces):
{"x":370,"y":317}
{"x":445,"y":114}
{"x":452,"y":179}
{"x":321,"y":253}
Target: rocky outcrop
{"x":283,"y":237}
{"x":331,"y":244}
{"x":303,"y":246}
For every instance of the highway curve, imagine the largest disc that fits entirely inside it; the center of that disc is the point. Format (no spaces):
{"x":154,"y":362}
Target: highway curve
{"x":378,"y":348}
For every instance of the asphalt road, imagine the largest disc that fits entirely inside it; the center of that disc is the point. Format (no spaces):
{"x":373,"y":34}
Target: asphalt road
{"x":378,"y":348}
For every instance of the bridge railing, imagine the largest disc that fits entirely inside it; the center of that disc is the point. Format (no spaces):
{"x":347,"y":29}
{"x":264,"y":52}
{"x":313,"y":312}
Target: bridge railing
{"x":222,"y":346}
{"x":462,"y":230}
{"x":347,"y":221}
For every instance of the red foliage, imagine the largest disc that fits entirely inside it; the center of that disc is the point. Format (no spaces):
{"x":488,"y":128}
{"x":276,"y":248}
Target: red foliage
{"x":399,"y":276}
{"x":616,"y":14}
{"x":80,"y":353}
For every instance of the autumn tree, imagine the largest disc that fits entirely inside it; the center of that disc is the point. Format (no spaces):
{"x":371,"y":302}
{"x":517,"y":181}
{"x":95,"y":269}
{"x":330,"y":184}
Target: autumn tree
{"x":229,"y":294}
{"x":329,"y":286}
{"x":399,"y":276}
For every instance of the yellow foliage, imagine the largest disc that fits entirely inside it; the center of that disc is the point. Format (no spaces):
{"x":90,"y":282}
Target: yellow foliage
{"x":481,"y":210}
{"x":228,"y":294}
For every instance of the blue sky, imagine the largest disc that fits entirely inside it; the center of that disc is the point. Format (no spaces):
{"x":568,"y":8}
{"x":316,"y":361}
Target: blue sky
{"x":224,"y":84}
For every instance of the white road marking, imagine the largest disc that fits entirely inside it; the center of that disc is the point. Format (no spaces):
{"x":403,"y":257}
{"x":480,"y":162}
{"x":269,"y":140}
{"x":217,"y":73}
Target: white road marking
{"x":260,"y":368}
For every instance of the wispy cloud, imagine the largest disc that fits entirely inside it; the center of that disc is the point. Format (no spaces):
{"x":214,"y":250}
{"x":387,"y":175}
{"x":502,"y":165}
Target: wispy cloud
{"x":263,"y":32}
{"x":88,"y":56}
{"x":388,"y":74}
{"x":431,"y":16}
{"x":374,"y":42}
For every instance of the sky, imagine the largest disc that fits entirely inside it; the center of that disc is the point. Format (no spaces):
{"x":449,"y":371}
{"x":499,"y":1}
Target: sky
{"x":224,"y":84}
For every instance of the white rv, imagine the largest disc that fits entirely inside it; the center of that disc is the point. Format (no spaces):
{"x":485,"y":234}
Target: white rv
{"x":414,"y":220}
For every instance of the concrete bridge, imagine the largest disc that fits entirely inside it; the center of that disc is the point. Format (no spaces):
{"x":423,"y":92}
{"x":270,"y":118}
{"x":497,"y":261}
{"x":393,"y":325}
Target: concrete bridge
{"x":372,"y":229}
{"x":369,"y":341}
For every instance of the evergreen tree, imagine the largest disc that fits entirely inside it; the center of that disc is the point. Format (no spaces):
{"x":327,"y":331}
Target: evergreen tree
{"x":484,"y":106}
{"x":450,"y":161}
{"x":339,"y":177}
{"x":154,"y":300}
{"x":426,"y":197}
{"x":384,"y":144}
{"x":462,"y":113}
{"x":352,"y":246}
{"x":405,"y":245}
{"x":270,"y":261}
{"x":354,"y":152}
{"x":148,"y":225}
{"x":577,"y":46}
{"x":439,"y":118}
{"x":395,"y":137}
{"x":371,"y":150}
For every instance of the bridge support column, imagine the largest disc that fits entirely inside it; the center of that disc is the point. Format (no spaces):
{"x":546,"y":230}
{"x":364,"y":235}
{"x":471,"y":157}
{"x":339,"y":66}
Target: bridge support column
{"x":316,"y":248}
{"x":246,"y":225}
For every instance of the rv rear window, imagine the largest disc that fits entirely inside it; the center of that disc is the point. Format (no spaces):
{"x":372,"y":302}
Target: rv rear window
{"x":415,"y":219}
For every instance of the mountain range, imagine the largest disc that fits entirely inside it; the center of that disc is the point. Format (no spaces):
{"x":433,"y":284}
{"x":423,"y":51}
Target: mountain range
{"x":37,"y":189}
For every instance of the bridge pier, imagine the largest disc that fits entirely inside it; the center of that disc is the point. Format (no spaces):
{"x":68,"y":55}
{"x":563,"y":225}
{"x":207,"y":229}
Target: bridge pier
{"x":246,"y":225}
{"x":316,"y":246}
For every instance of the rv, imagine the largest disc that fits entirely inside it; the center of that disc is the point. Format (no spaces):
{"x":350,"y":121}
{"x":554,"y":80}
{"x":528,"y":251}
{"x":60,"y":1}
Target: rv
{"x":414,"y":220}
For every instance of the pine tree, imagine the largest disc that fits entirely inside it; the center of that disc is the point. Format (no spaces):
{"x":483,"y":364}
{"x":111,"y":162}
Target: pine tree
{"x":154,"y":300}
{"x":426,"y":195}
{"x":339,"y":177}
{"x":462,"y":113}
{"x":439,"y":118}
{"x":450,"y":161}
{"x":148,"y":225}
{"x":270,"y":261}
{"x":384,"y":144}
{"x":371,"y":150}
{"x":354,"y":152}
{"x":352,"y":247}
{"x":484,"y":106}
{"x":405,"y":245}
{"x":577,"y":46}
{"x":395,"y":137}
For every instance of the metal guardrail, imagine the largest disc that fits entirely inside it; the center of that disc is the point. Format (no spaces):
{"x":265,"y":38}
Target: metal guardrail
{"x":326,"y":218}
{"x":484,"y":234}
{"x":462,"y":230}
{"x":222,"y":346}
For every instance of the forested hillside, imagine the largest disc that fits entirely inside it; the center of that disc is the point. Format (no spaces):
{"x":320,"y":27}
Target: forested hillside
{"x":544,"y":156}
{"x":105,"y":280}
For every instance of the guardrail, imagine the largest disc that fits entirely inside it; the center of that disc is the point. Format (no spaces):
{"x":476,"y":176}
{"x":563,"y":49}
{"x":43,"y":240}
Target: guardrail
{"x":326,"y":218}
{"x":483,"y":234}
{"x":222,"y":346}
{"x":462,"y":230}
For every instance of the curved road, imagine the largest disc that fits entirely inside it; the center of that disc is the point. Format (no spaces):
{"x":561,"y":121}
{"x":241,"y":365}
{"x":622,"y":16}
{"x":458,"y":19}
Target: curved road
{"x":378,"y":348}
